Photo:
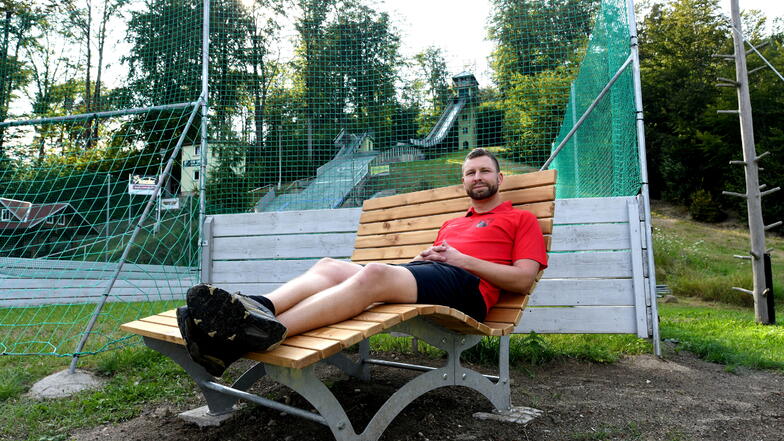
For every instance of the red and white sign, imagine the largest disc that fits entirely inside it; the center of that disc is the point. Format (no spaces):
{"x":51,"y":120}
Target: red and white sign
{"x":138,"y":184}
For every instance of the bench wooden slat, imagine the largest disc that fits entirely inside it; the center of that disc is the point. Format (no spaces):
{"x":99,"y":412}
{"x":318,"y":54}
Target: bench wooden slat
{"x":366,"y":328}
{"x":511,"y":300}
{"x":405,"y":311}
{"x":154,"y":330}
{"x":161,"y":320}
{"x":529,"y":195}
{"x":547,"y":177}
{"x":419,"y":237}
{"x":539,"y":209}
{"x":385,"y":319}
{"x":503,"y":315}
{"x":287,"y":356}
{"x":325,"y":347}
{"x":346,"y":337}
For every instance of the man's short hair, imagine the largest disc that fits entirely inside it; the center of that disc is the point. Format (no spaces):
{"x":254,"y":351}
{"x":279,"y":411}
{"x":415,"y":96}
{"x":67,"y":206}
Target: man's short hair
{"x":479,"y":152}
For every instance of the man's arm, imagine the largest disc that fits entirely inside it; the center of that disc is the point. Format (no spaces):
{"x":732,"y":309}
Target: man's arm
{"x":517,"y":277}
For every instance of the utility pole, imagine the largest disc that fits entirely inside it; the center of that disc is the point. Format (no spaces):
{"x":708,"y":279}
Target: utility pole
{"x":762,"y":312}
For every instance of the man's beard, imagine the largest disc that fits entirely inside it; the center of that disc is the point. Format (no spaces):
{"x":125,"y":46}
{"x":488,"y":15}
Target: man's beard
{"x":483,"y":193}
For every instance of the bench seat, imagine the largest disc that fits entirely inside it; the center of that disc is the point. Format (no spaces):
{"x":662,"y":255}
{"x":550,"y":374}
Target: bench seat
{"x":313,"y":346}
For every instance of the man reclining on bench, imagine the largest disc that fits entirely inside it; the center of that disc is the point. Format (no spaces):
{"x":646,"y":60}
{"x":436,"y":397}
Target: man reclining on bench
{"x":493,"y":247}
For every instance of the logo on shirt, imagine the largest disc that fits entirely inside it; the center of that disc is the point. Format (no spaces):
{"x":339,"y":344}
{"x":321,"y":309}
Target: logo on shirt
{"x":482,"y":224}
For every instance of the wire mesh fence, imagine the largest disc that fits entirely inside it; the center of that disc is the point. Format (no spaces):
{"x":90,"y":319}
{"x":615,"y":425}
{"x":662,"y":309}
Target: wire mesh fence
{"x":310,"y":104}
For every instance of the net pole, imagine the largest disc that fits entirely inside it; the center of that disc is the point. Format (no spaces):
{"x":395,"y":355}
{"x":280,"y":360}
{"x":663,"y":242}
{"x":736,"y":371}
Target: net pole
{"x":587,"y":112}
{"x":87,"y":116}
{"x":127,"y":250}
{"x":205,"y":64}
{"x":644,"y":190}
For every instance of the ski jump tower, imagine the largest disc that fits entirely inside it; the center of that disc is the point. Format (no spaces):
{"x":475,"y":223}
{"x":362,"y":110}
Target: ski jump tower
{"x":461,"y":112}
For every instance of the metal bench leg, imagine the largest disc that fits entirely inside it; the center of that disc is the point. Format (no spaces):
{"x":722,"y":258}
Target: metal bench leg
{"x":306,"y":383}
{"x":451,"y":374}
{"x":217,"y":403}
{"x":360,"y":369}
{"x":498,"y":393}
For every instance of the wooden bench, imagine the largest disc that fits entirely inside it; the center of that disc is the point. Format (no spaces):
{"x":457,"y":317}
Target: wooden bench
{"x":391,"y":229}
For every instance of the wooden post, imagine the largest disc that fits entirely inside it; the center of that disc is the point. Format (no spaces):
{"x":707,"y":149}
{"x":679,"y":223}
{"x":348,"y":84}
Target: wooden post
{"x":750,"y":159}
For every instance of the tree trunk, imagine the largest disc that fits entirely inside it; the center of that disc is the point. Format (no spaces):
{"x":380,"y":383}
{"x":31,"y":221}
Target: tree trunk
{"x":4,"y":75}
{"x":87,"y":133}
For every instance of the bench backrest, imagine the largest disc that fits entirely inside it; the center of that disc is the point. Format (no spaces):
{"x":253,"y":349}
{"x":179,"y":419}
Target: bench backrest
{"x":396,"y":228}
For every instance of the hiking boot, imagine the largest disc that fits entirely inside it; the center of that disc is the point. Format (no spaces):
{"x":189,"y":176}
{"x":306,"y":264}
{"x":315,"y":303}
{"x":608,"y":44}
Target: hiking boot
{"x":234,"y":318}
{"x":214,"y":356}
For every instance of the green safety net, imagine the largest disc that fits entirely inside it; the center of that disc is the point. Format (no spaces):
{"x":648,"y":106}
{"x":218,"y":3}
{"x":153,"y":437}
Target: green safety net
{"x":311,"y":104}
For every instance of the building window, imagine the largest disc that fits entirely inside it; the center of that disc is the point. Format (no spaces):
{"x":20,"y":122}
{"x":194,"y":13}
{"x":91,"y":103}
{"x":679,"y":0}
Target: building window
{"x":465,"y":144}
{"x":5,"y":215}
{"x":465,"y":130}
{"x":196,"y":175}
{"x":61,"y":220}
{"x":197,"y":150}
{"x":49,"y":220}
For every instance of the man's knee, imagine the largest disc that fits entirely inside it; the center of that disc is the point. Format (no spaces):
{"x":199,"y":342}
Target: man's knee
{"x":373,"y":273}
{"x":333,"y":269}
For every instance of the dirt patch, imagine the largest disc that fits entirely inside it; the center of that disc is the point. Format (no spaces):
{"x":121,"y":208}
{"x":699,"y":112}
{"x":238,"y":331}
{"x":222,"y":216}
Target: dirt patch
{"x":639,"y":398}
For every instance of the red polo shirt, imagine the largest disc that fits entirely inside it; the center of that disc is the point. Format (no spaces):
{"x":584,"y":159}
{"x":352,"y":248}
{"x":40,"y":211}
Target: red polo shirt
{"x":503,"y":235}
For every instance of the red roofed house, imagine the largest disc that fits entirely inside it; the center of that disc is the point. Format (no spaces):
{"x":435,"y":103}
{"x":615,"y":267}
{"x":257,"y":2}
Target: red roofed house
{"x":26,"y":216}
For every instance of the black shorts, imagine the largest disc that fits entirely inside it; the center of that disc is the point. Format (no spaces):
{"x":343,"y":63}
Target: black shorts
{"x":443,"y":284}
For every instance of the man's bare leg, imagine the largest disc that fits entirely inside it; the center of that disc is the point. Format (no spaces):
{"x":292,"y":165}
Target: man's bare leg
{"x":325,"y":274}
{"x":373,"y":283}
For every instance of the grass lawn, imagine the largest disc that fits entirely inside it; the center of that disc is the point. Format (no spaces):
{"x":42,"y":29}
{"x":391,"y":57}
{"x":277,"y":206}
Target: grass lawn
{"x":723,"y":334}
{"x":696,"y":259}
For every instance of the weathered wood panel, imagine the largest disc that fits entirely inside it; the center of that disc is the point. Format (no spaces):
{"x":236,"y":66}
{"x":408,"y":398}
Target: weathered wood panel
{"x":591,"y":210}
{"x":583,"y":292}
{"x":599,"y":264}
{"x":590,"y":237}
{"x":578,"y":320}
{"x":286,"y":222}
{"x":294,"y":246}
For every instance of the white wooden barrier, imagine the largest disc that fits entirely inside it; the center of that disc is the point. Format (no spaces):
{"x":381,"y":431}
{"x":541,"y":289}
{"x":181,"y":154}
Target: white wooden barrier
{"x":35,"y":282}
{"x":596,"y":283}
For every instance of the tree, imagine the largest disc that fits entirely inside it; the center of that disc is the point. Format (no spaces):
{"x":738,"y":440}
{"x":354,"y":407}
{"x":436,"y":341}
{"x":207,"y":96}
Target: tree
{"x":436,"y":82}
{"x":540,"y":44}
{"x":15,"y":26}
{"x":678,"y":70}
{"x":164,"y":61}
{"x":310,"y":28}
{"x":433,"y":65}
{"x":537,"y":35}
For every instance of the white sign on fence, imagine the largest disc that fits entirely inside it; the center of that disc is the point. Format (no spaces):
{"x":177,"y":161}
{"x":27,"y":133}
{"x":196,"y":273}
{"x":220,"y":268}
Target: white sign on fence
{"x":170,"y":204}
{"x":138,"y":184}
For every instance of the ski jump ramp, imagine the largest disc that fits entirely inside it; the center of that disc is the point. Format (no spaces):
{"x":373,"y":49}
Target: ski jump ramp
{"x":445,"y":122}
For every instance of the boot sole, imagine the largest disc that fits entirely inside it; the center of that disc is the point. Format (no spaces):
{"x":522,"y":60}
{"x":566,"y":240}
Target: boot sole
{"x":234,"y":318}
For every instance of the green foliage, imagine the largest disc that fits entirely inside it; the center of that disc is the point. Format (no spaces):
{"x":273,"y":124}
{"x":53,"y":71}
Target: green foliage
{"x":696,"y":259}
{"x":535,"y":84}
{"x":704,"y":208}
{"x":533,"y":100}
{"x":689,"y":144}
{"x":725,"y":335}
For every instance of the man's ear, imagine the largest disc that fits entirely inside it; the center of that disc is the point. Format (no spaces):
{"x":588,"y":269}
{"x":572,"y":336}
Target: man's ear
{"x":500,"y":178}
